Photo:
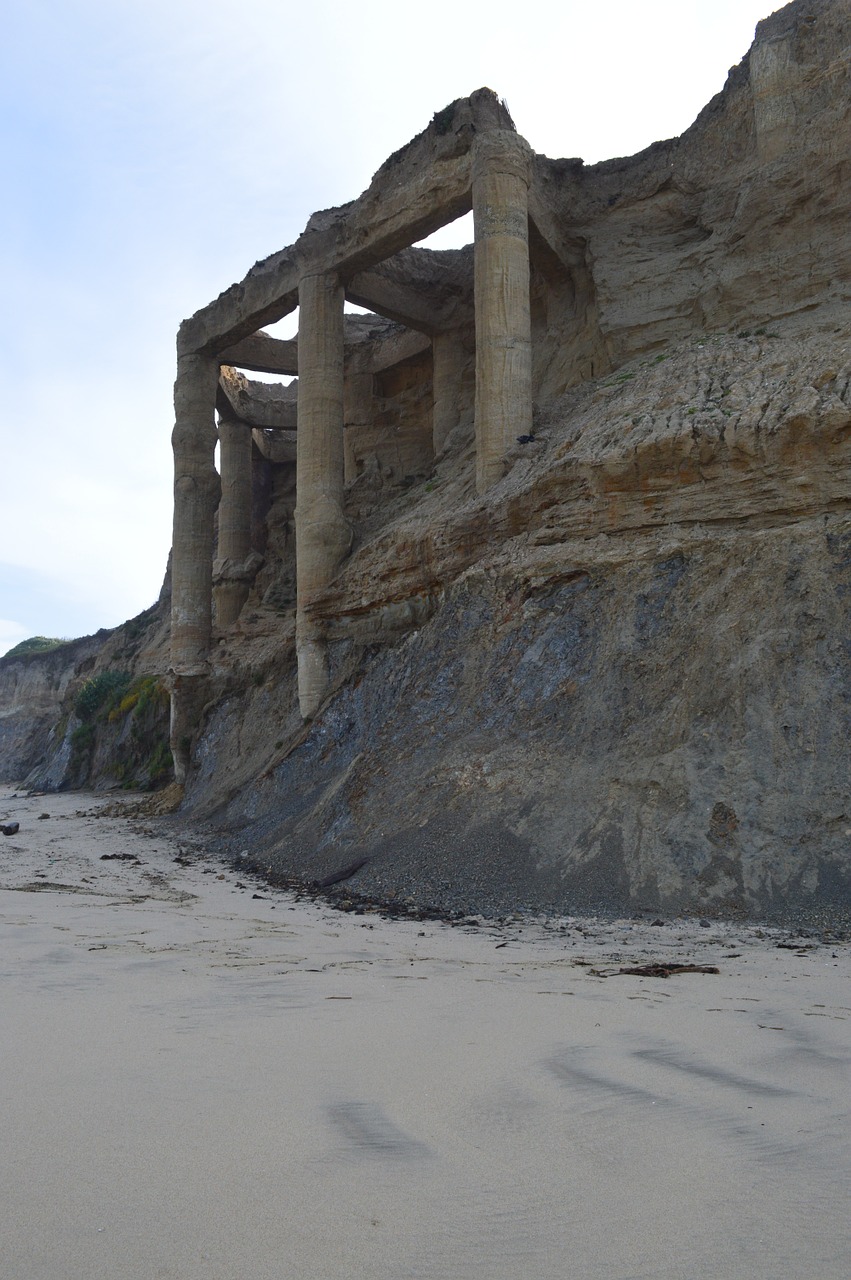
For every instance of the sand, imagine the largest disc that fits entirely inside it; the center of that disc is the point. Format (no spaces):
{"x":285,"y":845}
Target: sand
{"x":201,"y":1083}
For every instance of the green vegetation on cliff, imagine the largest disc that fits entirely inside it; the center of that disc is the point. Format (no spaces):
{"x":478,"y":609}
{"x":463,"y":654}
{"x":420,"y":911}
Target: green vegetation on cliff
{"x":123,"y":731}
{"x":35,"y":644}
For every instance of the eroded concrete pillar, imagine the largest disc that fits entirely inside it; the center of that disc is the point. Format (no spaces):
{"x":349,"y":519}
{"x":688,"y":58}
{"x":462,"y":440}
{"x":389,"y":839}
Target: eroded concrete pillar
{"x":196,"y":495}
{"x":447,"y":367}
{"x":323,"y":536}
{"x":501,"y":174}
{"x":230,"y":570}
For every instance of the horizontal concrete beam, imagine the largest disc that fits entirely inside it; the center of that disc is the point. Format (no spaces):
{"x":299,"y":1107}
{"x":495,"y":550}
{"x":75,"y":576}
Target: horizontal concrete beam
{"x":258,"y":404}
{"x":267,"y":294}
{"x":416,"y":191}
{"x":277,"y":446}
{"x":392,"y":350}
{"x":429,"y":291}
{"x":387,"y":298}
{"x":263,"y":354}
{"x":372,"y":344}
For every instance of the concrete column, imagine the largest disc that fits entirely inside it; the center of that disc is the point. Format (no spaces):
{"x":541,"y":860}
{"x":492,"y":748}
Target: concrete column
{"x":447,"y":366}
{"x":231,"y":583}
{"x":196,"y":494}
{"x":501,"y":175}
{"x":323,"y":536}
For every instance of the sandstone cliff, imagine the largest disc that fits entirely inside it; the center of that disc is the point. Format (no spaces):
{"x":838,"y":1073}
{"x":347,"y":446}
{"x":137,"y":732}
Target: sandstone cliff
{"x":92,"y":712}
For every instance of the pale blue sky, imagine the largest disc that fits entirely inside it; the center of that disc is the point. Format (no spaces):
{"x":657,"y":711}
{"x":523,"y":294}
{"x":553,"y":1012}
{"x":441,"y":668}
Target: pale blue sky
{"x":153,"y":151}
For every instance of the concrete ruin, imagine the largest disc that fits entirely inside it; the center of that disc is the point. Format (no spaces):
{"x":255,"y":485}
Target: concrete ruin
{"x":439,"y":305}
{"x":554,"y":291}
{"x":531,"y":591}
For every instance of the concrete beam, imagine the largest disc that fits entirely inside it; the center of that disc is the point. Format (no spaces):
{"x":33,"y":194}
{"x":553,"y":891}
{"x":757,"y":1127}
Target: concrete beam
{"x":428,"y":291}
{"x":403,"y":344}
{"x":419,"y":189}
{"x":276,"y":446}
{"x":371,"y":346}
{"x":259,"y":404}
{"x":262,"y":353}
{"x":388,"y":298}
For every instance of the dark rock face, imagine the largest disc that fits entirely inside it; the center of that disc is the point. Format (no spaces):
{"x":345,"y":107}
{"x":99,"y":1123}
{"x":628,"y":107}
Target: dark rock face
{"x":664,"y":731}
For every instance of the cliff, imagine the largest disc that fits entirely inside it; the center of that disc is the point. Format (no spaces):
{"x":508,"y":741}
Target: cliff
{"x":620,"y":681}
{"x":619,"y":677}
{"x":92,"y":712}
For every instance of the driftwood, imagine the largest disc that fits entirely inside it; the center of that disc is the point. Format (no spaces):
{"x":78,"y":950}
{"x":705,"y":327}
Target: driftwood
{"x":336,"y":877}
{"x":10,"y":828}
{"x":656,"y":970}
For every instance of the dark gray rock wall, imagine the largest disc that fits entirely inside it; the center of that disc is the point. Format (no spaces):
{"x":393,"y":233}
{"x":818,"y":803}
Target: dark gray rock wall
{"x":652,"y":728}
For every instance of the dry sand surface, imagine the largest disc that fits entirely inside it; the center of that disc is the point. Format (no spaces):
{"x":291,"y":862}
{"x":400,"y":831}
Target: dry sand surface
{"x":200,"y":1083}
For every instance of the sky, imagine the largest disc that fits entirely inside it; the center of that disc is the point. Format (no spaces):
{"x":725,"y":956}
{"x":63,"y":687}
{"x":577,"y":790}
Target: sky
{"x":153,"y":150}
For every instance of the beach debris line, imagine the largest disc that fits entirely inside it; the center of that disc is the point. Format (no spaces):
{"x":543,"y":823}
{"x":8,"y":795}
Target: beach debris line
{"x":655,"y":970}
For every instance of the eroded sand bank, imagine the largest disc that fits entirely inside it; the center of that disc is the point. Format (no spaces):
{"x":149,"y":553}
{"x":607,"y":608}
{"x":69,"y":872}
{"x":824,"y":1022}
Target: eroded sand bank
{"x":199,"y":1083}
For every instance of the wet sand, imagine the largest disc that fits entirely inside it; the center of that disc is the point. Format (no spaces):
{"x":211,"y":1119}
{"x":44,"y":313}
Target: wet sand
{"x":202,"y":1084}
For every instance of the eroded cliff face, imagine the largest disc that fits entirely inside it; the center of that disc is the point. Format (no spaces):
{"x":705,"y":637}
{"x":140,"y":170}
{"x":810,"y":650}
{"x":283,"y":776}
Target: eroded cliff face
{"x":620,"y":679}
{"x":120,"y":738}
{"x":740,"y":219}
{"x":32,"y":690}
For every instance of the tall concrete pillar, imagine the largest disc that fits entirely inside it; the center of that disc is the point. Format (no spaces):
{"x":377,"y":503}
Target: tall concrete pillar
{"x":501,"y":175}
{"x":231,"y":585}
{"x":196,"y":495}
{"x":447,"y":366}
{"x":323,"y":536}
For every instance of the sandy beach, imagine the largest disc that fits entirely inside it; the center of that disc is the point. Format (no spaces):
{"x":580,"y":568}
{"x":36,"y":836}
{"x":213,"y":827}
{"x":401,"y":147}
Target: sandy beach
{"x":205,"y":1079}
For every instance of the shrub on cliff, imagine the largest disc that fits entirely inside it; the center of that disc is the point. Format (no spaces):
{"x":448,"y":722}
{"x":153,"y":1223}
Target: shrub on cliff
{"x":35,"y":644}
{"x":123,"y":732}
{"x":101,"y":693}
